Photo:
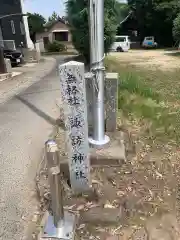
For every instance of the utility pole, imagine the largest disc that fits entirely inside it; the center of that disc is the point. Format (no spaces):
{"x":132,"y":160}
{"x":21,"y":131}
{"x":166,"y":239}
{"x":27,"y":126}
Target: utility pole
{"x":96,"y":16}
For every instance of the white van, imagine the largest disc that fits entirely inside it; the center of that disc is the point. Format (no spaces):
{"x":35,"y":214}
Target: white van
{"x":121,"y":44}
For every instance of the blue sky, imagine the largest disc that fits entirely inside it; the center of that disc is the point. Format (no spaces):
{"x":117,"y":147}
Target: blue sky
{"x":46,"y":7}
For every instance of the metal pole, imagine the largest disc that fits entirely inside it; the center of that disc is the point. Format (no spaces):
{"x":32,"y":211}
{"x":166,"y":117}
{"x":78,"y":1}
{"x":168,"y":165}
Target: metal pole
{"x":99,"y":101}
{"x":97,"y":66}
{"x":54,"y":181}
{"x":12,"y":15}
{"x":61,"y":224}
{"x":91,"y":30}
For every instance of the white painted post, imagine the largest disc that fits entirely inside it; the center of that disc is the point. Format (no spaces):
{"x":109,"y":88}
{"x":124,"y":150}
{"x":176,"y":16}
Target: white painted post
{"x":38,"y":52}
{"x":73,"y":94}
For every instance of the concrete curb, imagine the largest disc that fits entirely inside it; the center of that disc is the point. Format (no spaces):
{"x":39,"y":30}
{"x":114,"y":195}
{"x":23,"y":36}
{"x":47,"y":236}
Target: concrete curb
{"x":44,"y":68}
{"x":5,"y":76}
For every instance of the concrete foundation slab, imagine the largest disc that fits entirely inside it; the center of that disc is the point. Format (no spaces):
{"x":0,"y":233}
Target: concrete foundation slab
{"x":112,"y":154}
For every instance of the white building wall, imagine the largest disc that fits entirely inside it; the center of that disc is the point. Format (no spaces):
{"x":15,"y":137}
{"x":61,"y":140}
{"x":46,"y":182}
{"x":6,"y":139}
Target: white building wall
{"x":30,"y":44}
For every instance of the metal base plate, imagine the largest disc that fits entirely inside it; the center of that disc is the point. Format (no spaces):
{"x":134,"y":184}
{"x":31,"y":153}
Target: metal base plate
{"x":65,"y":229}
{"x":98,"y":144}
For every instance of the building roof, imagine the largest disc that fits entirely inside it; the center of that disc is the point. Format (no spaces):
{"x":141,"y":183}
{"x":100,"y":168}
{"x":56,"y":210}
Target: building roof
{"x":49,"y":25}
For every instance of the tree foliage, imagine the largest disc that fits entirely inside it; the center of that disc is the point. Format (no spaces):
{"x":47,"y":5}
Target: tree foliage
{"x":122,"y":11}
{"x":36,"y":24}
{"x":176,"y":28}
{"x":77,"y":13}
{"x":155,"y":17}
{"x":56,"y":46}
{"x":54,"y":17}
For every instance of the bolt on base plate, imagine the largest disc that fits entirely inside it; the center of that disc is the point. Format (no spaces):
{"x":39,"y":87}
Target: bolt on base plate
{"x":65,"y":229}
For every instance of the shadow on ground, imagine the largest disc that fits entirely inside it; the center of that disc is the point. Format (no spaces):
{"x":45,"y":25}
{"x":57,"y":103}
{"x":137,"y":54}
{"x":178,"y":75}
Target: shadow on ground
{"x":40,"y":113}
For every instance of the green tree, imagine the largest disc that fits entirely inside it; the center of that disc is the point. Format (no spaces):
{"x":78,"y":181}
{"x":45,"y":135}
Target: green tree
{"x":176,"y":28}
{"x":77,"y":14}
{"x":122,"y":11}
{"x":54,"y":17}
{"x":155,"y":17}
{"x":36,"y":24}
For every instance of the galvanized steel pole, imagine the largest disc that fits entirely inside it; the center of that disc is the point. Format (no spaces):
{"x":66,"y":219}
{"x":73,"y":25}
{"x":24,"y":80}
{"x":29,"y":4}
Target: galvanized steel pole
{"x":52,"y":157}
{"x":97,"y":67}
{"x":61,"y":224}
{"x":92,"y":31}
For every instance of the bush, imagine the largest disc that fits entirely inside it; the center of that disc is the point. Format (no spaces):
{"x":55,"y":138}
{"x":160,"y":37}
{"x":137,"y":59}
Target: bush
{"x":56,"y":46}
{"x":77,"y":12}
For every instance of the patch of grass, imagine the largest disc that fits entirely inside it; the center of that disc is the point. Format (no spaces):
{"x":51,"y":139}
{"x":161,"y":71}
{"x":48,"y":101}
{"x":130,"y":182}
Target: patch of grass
{"x":174,"y":54}
{"x":132,"y":84}
{"x":163,"y":122}
{"x":166,"y":84}
{"x":141,"y":98}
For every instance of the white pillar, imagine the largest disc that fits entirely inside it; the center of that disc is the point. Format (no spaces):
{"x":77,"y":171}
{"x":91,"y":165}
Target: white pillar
{"x":29,"y":42}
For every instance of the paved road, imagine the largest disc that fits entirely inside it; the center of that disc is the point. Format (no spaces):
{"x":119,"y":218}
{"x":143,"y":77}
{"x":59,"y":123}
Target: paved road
{"x":25,"y":123}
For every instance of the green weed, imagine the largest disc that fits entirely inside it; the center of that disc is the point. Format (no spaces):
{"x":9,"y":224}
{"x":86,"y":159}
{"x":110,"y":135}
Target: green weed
{"x":151,"y":96}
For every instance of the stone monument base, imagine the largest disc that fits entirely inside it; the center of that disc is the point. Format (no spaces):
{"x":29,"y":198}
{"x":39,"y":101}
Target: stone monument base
{"x":113,"y":154}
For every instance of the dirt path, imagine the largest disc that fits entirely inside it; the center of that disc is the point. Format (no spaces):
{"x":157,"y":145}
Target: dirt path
{"x":163,"y":60}
{"x":137,"y":200}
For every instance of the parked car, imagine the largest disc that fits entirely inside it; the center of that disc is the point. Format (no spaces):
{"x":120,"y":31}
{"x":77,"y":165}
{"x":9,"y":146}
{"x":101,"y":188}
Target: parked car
{"x":121,"y":44}
{"x":149,"y":42}
{"x":15,"y":56}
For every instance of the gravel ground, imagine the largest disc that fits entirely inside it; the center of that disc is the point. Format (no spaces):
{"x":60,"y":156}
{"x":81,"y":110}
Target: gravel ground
{"x":138,"y":200}
{"x":150,"y":59}
{"x":30,"y":75}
